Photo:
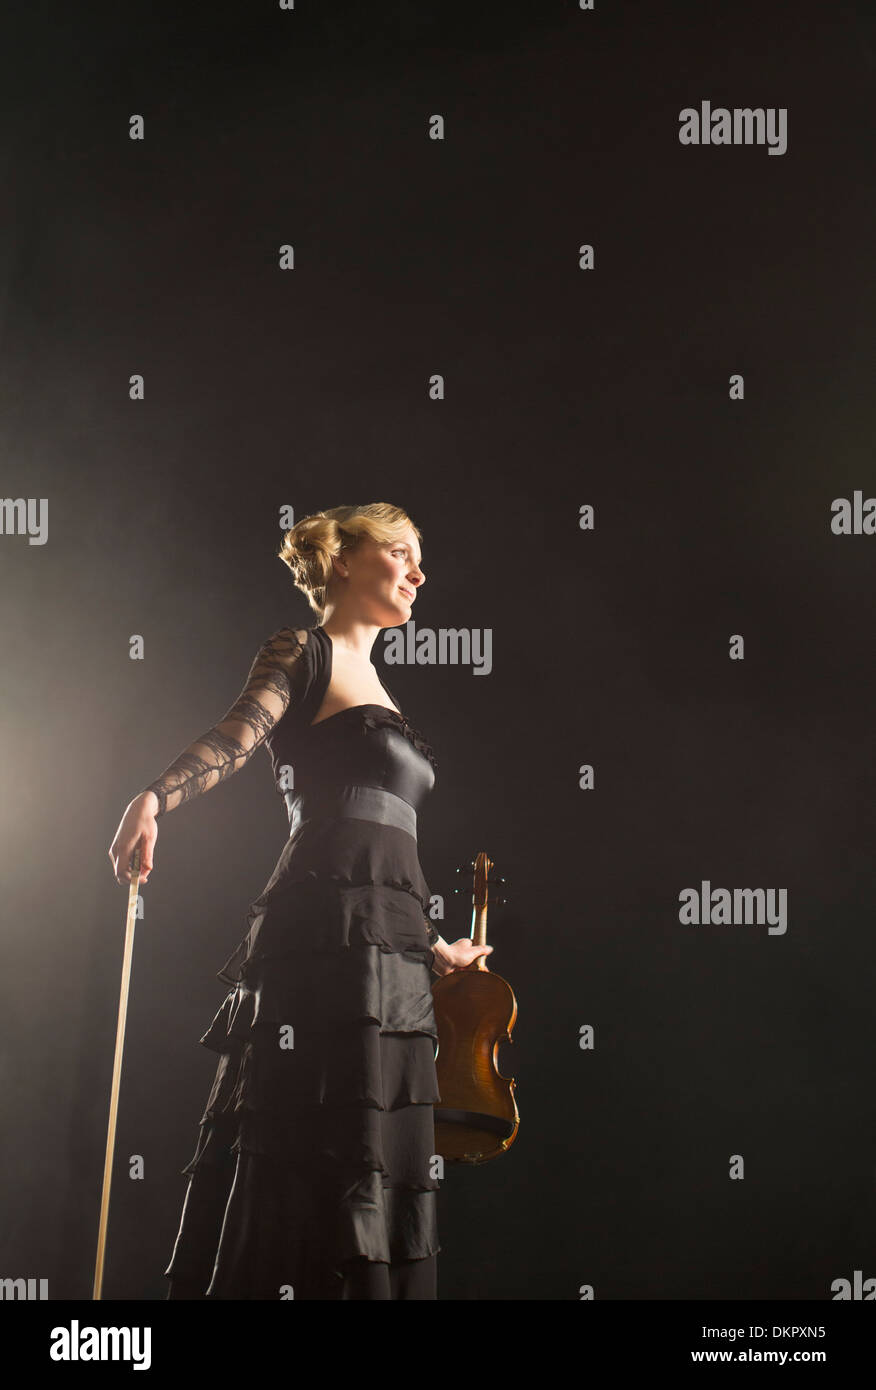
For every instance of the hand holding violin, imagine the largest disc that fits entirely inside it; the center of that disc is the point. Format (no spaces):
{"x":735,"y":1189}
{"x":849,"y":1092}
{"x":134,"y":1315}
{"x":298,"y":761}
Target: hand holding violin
{"x":457,"y":955}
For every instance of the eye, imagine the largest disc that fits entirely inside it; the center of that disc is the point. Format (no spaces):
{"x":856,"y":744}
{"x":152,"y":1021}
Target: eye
{"x":402,"y":550}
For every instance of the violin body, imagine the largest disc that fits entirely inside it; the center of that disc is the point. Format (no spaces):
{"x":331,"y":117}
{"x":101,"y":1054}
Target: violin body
{"x":475,"y":1010}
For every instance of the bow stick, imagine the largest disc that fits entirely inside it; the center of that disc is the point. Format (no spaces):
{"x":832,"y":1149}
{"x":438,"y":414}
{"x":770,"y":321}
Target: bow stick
{"x":133,"y":893}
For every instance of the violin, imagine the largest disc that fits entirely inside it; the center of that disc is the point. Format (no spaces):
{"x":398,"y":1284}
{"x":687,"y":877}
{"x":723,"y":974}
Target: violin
{"x":475,"y":1011}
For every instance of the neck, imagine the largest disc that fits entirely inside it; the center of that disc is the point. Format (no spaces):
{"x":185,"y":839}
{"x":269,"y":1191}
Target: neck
{"x":354,"y":637}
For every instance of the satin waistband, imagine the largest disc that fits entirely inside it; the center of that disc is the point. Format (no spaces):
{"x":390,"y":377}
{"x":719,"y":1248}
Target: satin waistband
{"x":354,"y":802}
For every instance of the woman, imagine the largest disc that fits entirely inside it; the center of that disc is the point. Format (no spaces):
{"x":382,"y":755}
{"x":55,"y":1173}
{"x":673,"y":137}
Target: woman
{"x":314,"y":1173}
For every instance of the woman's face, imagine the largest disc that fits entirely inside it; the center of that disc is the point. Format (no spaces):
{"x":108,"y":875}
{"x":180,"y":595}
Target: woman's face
{"x":383,"y":578}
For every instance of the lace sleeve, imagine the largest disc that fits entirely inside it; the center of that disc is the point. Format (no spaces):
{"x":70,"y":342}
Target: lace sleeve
{"x":224,"y":749}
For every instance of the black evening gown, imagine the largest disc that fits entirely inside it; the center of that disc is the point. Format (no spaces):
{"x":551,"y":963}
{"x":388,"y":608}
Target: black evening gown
{"x":314,"y":1173}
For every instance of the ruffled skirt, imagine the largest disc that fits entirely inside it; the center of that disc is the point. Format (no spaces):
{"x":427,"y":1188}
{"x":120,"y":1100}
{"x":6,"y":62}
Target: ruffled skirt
{"x":314,"y":1173}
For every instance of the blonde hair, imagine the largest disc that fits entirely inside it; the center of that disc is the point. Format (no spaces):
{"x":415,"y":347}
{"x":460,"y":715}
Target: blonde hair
{"x":309,"y":545}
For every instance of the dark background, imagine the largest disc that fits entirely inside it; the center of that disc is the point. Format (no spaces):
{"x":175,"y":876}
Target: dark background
{"x":309,"y":389}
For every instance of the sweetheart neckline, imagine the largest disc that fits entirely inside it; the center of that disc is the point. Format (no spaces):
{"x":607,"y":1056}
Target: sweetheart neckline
{"x":330,"y":651}
{"x":398,"y":720}
{"x":346,"y":709}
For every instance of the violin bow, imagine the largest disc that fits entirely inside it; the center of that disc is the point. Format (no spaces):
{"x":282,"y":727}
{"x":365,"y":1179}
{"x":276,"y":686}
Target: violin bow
{"x":133,"y":894}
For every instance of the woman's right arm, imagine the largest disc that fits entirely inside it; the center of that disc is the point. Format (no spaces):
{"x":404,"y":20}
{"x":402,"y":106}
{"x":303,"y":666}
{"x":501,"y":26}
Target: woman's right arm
{"x":216,"y":754}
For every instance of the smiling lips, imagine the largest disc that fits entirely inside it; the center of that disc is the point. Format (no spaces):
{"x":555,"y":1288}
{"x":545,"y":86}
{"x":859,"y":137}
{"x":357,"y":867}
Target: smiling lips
{"x":407,"y":593}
